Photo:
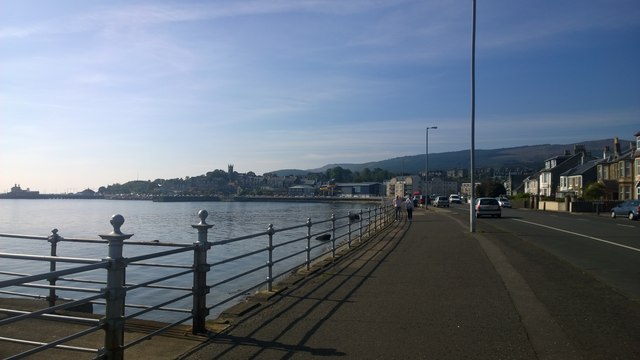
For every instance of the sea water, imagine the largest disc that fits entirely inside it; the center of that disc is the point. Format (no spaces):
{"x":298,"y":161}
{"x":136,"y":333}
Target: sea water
{"x":156,"y":221}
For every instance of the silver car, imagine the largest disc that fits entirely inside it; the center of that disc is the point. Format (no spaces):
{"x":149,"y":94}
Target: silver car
{"x":629,"y":209}
{"x":487,"y":206}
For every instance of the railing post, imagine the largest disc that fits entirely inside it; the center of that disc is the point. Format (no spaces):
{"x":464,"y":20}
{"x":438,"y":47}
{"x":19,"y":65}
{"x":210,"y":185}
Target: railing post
{"x":349,"y":232}
{"x":308,"y":260}
{"x":369,"y":226}
{"x":54,"y":238}
{"x":360,"y":232}
{"x":115,"y":292}
{"x":270,"y":232}
{"x":200,"y":270}
{"x":375,"y":220}
{"x":333,"y":235}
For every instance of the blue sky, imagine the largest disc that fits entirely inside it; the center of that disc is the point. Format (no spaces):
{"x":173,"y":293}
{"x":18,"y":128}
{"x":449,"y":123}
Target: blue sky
{"x":100,"y":92}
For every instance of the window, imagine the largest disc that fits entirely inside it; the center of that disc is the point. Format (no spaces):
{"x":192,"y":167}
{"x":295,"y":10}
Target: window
{"x":627,"y":166}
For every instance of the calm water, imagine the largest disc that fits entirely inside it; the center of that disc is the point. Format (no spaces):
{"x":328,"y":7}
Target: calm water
{"x":166,"y":222}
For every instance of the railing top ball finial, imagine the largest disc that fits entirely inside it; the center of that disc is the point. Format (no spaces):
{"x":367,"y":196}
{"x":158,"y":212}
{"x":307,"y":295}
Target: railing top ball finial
{"x":116,"y":221}
{"x":202,"y":225}
{"x":203,"y":214}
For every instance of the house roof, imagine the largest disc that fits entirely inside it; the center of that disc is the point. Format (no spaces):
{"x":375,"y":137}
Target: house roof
{"x":581,"y":169}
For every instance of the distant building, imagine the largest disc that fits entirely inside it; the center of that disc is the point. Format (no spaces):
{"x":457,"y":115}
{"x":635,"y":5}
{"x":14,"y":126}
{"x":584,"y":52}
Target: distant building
{"x":360,"y":189}
{"x":404,"y":185}
{"x":301,"y":190}
{"x":17,"y":193}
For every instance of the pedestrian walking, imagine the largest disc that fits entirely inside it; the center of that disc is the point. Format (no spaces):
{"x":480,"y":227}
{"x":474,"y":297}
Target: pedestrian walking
{"x":409,"y":206}
{"x":397,"y":204}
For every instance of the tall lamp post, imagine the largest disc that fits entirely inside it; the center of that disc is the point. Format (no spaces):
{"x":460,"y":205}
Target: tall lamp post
{"x":426,"y":163}
{"x":472,"y":217}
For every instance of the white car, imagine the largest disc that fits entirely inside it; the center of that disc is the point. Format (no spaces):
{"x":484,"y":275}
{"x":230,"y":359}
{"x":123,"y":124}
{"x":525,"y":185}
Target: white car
{"x":441,"y":201}
{"x":455,"y":199}
{"x":504,"y":202}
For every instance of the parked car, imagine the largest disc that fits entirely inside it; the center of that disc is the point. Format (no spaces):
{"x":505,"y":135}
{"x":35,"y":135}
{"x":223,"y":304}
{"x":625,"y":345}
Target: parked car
{"x":629,"y":208}
{"x":441,"y":201}
{"x":455,"y":199}
{"x":504,"y":202}
{"x":488,"y":206}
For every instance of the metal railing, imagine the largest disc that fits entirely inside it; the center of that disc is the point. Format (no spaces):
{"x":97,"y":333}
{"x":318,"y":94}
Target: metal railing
{"x":287,"y":250}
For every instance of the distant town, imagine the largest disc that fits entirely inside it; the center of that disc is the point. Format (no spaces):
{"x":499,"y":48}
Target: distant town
{"x":576,"y":173}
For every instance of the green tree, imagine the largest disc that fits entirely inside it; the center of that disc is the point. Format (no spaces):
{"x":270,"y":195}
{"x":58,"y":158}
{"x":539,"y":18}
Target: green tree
{"x":595,"y":191}
{"x":490,"y":189}
{"x":338,"y":174}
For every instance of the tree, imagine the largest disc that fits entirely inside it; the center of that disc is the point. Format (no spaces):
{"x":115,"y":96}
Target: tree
{"x":338,"y":174}
{"x":595,"y":191}
{"x":490,"y":189}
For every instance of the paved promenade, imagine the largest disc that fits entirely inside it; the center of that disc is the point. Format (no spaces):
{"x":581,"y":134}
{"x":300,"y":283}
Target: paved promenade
{"x":426,"y":289}
{"x":430,"y":290}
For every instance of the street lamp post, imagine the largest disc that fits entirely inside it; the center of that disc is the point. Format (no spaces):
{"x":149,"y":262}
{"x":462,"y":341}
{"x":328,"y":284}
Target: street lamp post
{"x":472,"y":218}
{"x":426,"y":163}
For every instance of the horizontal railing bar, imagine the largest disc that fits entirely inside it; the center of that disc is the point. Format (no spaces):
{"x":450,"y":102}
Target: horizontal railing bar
{"x":153,"y":281}
{"x":229,"y":241}
{"x":158,"y":243}
{"x":294,"y":227}
{"x":35,"y":296}
{"x":58,"y":287}
{"x":228,"y":260}
{"x":163,"y":265}
{"x":157,"y":306}
{"x":53,"y":274}
{"x":86,"y":281}
{"x":138,"y":306}
{"x":28,"y":342}
{"x":49,"y":258}
{"x":20,"y":236}
{"x":53,"y":316}
{"x":289,"y":256}
{"x":55,"y":344}
{"x":12,"y":273}
{"x":275,"y":246}
{"x":159,"y":254}
{"x":49,"y":310}
{"x":239,"y":276}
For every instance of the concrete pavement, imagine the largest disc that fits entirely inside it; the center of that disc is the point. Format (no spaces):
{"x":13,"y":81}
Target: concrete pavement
{"x":427,"y":289}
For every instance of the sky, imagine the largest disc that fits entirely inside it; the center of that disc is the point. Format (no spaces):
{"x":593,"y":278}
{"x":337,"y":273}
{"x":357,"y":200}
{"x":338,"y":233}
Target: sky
{"x":94,"y":93}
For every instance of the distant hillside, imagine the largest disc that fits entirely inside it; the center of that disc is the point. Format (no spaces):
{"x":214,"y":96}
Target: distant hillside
{"x":532,"y":156}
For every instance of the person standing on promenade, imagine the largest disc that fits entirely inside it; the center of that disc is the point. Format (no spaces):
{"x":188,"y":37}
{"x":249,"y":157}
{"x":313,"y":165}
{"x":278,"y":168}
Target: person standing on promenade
{"x":397,"y":204}
{"x":409,"y":206}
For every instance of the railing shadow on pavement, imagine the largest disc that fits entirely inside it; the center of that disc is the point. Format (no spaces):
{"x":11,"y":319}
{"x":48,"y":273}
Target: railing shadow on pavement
{"x":107,"y":292}
{"x":325,"y":279}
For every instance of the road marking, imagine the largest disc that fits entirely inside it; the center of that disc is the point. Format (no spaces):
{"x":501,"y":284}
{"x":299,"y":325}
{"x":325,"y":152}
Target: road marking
{"x":629,"y":226}
{"x":578,"y":234}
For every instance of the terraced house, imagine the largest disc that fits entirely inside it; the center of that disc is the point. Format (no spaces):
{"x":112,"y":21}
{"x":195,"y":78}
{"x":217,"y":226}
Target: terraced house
{"x":619,"y":171}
